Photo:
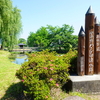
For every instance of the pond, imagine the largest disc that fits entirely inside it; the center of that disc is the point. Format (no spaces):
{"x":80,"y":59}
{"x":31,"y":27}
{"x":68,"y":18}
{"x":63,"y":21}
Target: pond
{"x":20,"y":59}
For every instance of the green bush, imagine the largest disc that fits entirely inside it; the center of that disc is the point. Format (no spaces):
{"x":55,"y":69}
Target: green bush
{"x":73,"y":62}
{"x":43,"y":71}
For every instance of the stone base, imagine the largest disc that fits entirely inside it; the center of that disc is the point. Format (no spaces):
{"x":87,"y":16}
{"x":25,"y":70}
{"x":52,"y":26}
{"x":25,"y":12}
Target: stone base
{"x":84,"y":84}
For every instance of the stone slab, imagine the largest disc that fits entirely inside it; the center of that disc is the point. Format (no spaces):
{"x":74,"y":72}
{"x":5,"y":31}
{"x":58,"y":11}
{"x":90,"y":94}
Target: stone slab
{"x":76,"y":78}
{"x":84,"y":84}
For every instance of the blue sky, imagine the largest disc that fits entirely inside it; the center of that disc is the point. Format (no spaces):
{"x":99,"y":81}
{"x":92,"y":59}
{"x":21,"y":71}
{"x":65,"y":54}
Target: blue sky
{"x":37,"y":13}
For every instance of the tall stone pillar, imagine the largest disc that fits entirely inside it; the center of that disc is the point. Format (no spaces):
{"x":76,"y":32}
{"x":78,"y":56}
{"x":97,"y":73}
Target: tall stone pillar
{"x":81,"y":53}
{"x":89,"y":42}
{"x":97,"y":47}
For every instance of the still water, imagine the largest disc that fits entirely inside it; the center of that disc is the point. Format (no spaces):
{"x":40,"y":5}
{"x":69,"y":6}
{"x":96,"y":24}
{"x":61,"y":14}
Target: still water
{"x":20,"y":59}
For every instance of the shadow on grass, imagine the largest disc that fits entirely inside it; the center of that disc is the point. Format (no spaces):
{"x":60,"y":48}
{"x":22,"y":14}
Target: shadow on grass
{"x":14,"y":92}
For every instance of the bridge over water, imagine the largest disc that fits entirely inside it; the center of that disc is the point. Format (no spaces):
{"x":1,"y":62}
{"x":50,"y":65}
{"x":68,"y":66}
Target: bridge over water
{"x":26,"y":49}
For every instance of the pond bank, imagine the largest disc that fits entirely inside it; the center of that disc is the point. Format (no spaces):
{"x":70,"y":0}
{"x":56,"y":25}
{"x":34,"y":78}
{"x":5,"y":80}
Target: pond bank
{"x":20,"y":59}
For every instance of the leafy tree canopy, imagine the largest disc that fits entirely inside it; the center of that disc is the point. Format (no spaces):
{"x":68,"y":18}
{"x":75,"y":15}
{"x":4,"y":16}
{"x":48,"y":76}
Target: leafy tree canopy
{"x":10,"y":23}
{"x":57,"y":38}
{"x":22,"y":40}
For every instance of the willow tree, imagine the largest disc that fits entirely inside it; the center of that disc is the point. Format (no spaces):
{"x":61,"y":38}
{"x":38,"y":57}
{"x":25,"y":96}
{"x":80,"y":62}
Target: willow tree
{"x":10,"y":23}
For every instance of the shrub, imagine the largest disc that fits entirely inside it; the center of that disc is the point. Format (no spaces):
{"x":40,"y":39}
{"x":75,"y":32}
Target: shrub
{"x":43,"y":71}
{"x":73,"y":62}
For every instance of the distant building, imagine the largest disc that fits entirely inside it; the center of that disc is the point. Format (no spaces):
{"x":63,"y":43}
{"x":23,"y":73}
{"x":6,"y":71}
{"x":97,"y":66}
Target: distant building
{"x":21,"y":45}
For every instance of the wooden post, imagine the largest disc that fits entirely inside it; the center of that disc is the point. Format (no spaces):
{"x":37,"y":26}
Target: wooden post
{"x":97,"y":47}
{"x":89,"y":42}
{"x":81,"y":53}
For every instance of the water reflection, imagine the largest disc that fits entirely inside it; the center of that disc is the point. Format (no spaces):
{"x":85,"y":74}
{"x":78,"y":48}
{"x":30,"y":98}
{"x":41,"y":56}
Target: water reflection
{"x":20,"y":59}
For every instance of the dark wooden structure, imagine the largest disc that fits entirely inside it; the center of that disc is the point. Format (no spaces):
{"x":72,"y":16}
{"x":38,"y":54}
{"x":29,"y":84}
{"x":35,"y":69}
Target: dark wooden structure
{"x":90,"y":54}
{"x":97,"y":47}
{"x":89,"y":42}
{"x":81,"y":54}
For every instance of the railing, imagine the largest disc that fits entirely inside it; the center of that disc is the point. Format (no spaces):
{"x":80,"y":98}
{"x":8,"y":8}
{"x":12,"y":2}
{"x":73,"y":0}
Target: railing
{"x":25,"y":49}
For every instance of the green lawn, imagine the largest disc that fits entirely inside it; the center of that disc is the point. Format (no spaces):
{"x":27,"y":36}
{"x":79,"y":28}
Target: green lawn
{"x":7,"y":72}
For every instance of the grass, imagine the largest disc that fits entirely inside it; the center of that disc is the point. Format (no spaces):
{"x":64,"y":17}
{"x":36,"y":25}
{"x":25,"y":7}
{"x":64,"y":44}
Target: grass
{"x":7,"y":72}
{"x":9,"y":84}
{"x":58,"y":94}
{"x":85,"y":96}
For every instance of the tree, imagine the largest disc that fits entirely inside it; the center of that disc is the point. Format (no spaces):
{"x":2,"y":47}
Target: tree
{"x":40,"y":38}
{"x":31,"y":40}
{"x":62,"y":38}
{"x":10,"y":23}
{"x":58,"y":38}
{"x":22,"y":40}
